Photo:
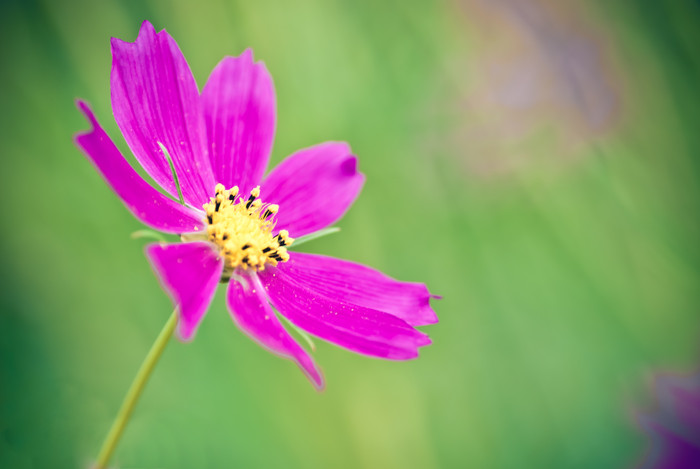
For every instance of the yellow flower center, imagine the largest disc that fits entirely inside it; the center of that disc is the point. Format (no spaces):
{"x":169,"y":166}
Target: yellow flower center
{"x":242,"y":229}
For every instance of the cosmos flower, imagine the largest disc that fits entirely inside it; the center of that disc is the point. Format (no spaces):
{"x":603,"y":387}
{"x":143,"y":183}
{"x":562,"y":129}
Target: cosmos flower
{"x":674,"y":426}
{"x":210,"y":150}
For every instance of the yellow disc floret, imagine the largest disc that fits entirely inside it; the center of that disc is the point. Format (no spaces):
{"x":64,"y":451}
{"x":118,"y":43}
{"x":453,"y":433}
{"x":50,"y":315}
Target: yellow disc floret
{"x":242,"y":229}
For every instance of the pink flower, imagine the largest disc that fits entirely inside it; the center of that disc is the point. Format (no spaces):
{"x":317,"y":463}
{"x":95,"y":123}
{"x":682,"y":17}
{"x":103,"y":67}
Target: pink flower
{"x":235,"y":222}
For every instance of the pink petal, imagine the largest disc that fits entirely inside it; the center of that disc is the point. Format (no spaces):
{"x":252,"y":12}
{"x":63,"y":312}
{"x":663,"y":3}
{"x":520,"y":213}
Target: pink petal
{"x":147,"y":204}
{"x":189,"y":273}
{"x":252,"y":314}
{"x":240,"y":113}
{"x":155,"y":99}
{"x":314,"y":187}
{"x":361,"y":285}
{"x":354,"y":327}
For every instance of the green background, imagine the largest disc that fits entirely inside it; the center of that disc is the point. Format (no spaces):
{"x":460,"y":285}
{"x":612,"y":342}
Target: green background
{"x":535,"y":163}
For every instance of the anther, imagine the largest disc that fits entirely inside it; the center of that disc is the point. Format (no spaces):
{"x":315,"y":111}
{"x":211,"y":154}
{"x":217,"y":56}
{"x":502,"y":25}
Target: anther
{"x":271,"y":210}
{"x":255,"y":205}
{"x":254,"y":194}
{"x":233,"y":192}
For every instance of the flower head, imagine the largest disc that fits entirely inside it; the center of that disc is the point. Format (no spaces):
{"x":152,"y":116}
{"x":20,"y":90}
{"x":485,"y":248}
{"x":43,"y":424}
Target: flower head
{"x":210,"y":150}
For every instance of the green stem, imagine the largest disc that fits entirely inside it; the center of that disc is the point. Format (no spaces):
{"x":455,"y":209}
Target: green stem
{"x":132,"y":396}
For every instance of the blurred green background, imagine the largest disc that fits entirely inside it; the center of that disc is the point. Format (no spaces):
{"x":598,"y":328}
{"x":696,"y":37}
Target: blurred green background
{"x":534,"y":162}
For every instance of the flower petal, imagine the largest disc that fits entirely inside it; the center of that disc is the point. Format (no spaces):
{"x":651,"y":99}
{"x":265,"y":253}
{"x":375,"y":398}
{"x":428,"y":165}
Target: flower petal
{"x":239,"y":108}
{"x":189,"y":273}
{"x":251,"y":312}
{"x":155,"y":99}
{"x":361,"y":285}
{"x":146,"y":203}
{"x":314,"y":187}
{"x":354,"y":327}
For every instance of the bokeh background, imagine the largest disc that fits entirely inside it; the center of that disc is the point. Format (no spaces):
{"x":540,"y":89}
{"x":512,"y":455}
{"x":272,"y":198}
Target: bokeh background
{"x":535,"y":162}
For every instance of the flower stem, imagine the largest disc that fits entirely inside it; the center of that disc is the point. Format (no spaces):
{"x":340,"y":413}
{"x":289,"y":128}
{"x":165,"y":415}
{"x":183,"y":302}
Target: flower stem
{"x":132,"y":396}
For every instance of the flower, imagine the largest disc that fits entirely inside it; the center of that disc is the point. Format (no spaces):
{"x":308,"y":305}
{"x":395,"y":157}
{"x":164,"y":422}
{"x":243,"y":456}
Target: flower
{"x":674,"y":427}
{"x":218,"y":143}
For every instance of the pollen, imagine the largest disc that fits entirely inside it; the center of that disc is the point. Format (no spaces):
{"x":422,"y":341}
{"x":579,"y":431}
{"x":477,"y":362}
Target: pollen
{"x":242,"y":228}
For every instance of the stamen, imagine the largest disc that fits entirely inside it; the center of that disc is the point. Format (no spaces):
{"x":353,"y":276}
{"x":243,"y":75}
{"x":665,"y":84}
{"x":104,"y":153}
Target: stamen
{"x":254,"y":194}
{"x":243,"y":230}
{"x":255,"y":205}
{"x":271,"y":210}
